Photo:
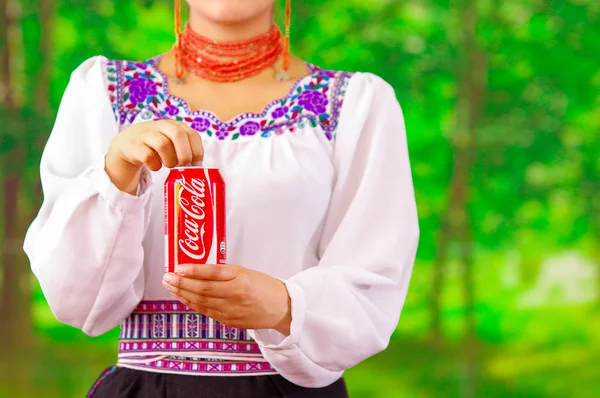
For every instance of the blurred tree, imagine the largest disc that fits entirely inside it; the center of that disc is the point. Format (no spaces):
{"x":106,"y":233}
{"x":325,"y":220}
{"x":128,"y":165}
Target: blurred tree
{"x":15,"y":305}
{"x":519,"y":192}
{"x":471,"y":99}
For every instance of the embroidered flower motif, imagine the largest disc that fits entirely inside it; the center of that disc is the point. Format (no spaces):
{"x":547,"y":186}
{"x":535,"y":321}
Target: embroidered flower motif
{"x":222,"y":133}
{"x":249,"y":128}
{"x":313,"y":101}
{"x":279,"y":112}
{"x":140,"y":89}
{"x":172,"y":110}
{"x":200,"y":124}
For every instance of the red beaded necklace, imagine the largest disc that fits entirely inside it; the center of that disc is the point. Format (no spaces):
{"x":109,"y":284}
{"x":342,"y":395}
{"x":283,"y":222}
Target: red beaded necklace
{"x":227,"y":62}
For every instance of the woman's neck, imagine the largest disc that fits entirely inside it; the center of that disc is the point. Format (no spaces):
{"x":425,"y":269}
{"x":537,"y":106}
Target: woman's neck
{"x":231,"y":32}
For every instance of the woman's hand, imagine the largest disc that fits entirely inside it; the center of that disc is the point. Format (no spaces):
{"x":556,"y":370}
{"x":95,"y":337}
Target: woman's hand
{"x":151,"y":144}
{"x":233,"y":295}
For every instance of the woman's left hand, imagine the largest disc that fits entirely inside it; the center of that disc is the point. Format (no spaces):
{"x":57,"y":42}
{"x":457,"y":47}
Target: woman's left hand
{"x":233,"y":295}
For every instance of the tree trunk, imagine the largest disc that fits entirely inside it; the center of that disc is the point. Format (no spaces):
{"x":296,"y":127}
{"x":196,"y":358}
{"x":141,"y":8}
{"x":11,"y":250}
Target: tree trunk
{"x":41,"y":99}
{"x":472,"y":86}
{"x":15,"y":305}
{"x":447,"y":232}
{"x":42,"y":95}
{"x":456,"y":223}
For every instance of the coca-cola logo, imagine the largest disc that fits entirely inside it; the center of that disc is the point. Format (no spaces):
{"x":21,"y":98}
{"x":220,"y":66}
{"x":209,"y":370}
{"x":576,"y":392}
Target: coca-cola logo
{"x":196,"y":219}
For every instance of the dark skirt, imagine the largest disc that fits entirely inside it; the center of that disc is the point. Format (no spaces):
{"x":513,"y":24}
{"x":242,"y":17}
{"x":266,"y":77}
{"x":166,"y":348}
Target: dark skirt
{"x":117,"y":382}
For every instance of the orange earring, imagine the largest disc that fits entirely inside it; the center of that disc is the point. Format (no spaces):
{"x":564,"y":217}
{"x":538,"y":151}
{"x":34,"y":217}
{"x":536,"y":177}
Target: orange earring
{"x":285,"y":73}
{"x":177,"y":46}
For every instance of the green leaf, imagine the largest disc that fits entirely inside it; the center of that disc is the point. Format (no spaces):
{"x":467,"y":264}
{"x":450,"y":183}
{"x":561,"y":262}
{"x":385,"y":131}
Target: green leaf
{"x":126,"y":96}
{"x":209,"y":133}
{"x":235,"y":136}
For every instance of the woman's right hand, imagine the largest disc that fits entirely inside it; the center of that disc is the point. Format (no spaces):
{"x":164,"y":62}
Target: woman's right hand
{"x":151,"y":144}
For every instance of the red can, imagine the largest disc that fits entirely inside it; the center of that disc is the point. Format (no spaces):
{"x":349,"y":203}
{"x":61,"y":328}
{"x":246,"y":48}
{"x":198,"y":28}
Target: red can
{"x":194,"y":217}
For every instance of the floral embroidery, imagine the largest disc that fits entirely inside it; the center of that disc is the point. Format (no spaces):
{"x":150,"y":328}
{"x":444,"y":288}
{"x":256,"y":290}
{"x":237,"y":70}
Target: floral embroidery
{"x":315,"y":100}
{"x":200,"y":124}
{"x":249,"y":128}
{"x":140,"y":89}
{"x":171,"y":109}
{"x":279,"y":112}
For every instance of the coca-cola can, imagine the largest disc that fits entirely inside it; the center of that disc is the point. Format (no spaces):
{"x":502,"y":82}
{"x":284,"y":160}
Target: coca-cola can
{"x":194,"y":217}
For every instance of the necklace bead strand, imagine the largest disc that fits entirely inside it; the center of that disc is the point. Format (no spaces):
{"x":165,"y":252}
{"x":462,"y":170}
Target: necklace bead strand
{"x":204,"y":57}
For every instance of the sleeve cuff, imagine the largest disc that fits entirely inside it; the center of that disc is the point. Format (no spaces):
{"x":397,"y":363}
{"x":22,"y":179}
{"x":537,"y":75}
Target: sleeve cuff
{"x":273,"y":340}
{"x":122,"y":201}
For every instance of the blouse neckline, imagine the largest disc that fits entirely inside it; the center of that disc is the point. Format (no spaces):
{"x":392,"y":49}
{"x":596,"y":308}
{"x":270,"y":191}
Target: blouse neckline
{"x":139,"y":89}
{"x":153,"y":62}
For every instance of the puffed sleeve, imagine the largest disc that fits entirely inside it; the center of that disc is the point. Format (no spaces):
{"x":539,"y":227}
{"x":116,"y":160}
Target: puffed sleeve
{"x":345,"y":309}
{"x":85,"y":245}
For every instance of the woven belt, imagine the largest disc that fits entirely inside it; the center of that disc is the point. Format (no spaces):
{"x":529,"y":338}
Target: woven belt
{"x":167,"y":336}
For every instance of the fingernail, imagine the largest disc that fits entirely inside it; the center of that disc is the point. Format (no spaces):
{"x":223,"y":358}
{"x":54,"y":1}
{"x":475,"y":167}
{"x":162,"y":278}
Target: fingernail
{"x":168,"y":278}
{"x":183,"y":270}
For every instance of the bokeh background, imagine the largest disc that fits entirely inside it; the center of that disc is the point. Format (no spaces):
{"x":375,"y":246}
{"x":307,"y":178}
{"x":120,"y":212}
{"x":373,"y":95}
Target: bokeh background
{"x":502,"y":108}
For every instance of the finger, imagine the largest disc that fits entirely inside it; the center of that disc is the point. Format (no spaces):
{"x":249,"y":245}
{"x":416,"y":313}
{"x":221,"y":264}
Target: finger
{"x":213,"y":272}
{"x":195,"y":143}
{"x":162,"y":145}
{"x":181,"y":142}
{"x":219,"y":289}
{"x":149,"y":158}
{"x":210,"y":306}
{"x":196,"y":146}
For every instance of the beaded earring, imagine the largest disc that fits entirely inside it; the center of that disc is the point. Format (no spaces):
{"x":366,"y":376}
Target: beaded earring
{"x":284,"y":75}
{"x":177,"y":45}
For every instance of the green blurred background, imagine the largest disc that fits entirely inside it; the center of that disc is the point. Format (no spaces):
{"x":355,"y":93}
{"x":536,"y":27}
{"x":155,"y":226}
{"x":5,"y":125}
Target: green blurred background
{"x":502,"y":108}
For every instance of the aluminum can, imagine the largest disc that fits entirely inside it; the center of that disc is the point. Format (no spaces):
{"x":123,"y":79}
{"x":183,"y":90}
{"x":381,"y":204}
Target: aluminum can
{"x":194,"y":217}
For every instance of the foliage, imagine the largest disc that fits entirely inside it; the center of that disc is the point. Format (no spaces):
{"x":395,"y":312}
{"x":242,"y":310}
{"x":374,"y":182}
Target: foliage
{"x":533,"y":195}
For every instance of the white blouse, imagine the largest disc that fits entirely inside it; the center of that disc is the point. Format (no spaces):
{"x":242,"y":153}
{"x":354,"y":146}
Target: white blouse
{"x":326,"y":206}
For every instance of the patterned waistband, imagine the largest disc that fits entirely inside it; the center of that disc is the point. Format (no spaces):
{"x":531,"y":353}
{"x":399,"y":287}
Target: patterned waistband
{"x":167,"y":336}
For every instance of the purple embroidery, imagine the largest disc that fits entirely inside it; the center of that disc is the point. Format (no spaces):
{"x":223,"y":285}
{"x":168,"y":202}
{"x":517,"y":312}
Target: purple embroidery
{"x":172,"y":110}
{"x":249,"y":128}
{"x":138,"y":65}
{"x":140,"y":89}
{"x":200,"y":124}
{"x":280,"y":112}
{"x":222,"y":133}
{"x":314,"y":101}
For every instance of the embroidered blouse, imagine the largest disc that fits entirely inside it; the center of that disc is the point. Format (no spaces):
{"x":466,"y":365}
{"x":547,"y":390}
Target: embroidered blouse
{"x":319,"y":194}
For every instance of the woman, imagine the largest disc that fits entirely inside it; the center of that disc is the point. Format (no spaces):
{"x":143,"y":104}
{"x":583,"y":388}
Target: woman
{"x":321,"y":218}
